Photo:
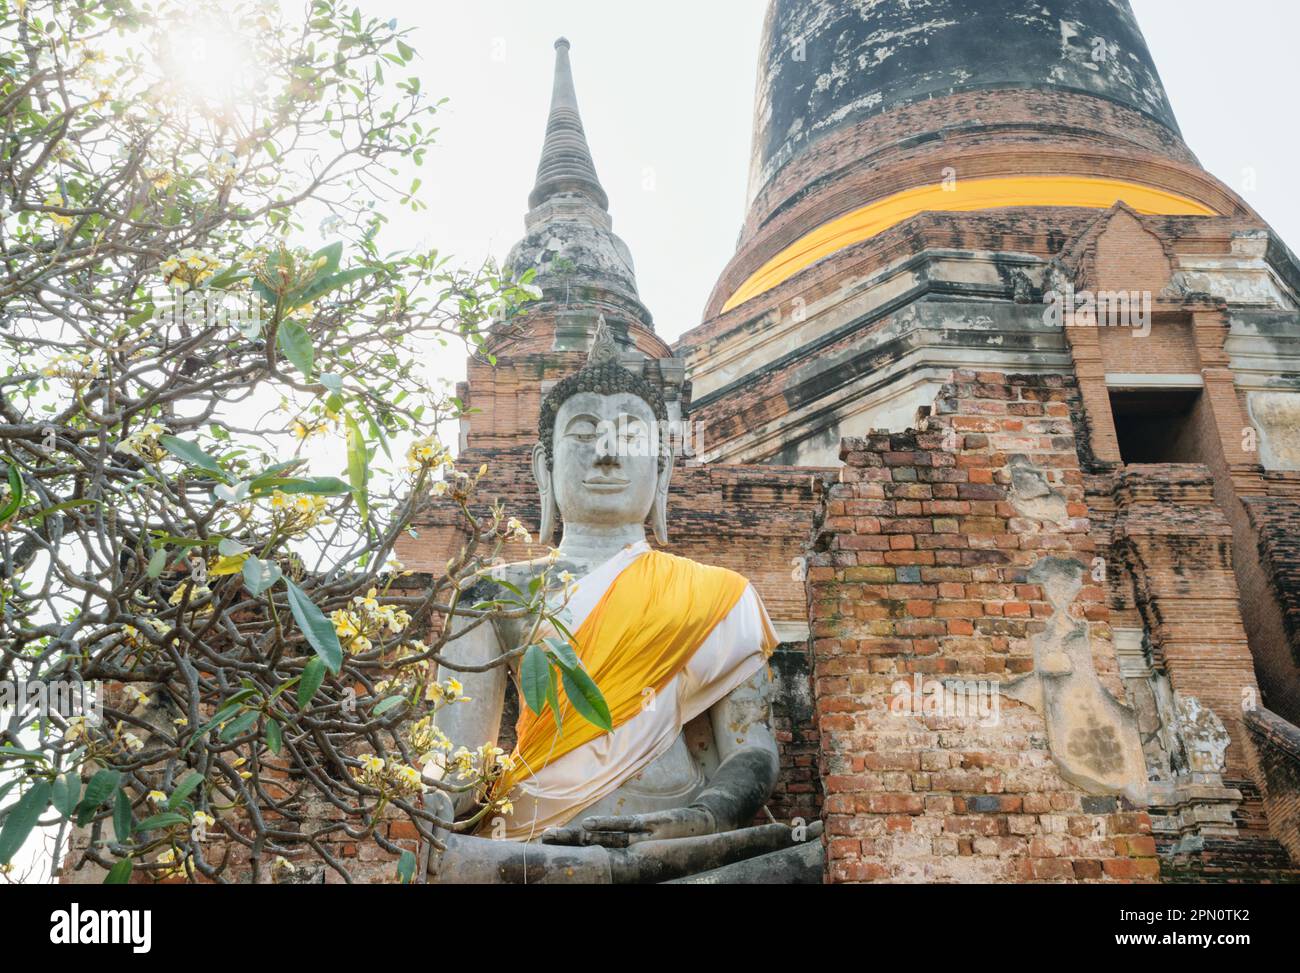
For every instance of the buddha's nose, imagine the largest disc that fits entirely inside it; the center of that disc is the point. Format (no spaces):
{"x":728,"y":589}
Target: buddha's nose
{"x":607,"y":459}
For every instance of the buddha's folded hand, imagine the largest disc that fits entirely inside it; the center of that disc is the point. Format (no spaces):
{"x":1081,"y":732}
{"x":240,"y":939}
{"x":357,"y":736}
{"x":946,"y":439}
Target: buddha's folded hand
{"x":625,"y":830}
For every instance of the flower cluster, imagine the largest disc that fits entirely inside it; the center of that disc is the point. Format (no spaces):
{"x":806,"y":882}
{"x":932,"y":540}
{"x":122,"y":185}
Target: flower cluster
{"x":450,"y":691}
{"x":366,"y":620}
{"x":458,"y":484}
{"x":137,"y":641}
{"x":199,"y":593}
{"x":143,"y":443}
{"x":159,"y":179}
{"x":124,"y":738}
{"x":427,"y":452}
{"x":223,"y":168}
{"x":426,"y":739}
{"x":389,"y":777}
{"x":76,"y":367}
{"x":408,"y":675}
{"x":517,"y":531}
{"x":284,"y":270}
{"x":487,"y":763}
{"x":58,"y":219}
{"x":179,"y":867}
{"x":302,"y":430}
{"x":189,"y":268}
{"x":296,"y":513}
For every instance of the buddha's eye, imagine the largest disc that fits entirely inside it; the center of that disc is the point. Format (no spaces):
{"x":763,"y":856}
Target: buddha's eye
{"x":583,"y":428}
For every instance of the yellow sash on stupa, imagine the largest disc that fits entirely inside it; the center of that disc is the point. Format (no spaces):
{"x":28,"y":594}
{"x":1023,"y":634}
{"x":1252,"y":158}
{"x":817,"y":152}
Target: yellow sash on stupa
{"x":642,"y":632}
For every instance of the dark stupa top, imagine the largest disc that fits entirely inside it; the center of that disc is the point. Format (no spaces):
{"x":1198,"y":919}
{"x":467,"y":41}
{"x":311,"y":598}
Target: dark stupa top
{"x":826,"y":64}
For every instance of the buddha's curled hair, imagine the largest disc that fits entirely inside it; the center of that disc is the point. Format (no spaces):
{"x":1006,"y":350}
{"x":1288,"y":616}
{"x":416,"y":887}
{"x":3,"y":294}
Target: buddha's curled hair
{"x":605,"y":376}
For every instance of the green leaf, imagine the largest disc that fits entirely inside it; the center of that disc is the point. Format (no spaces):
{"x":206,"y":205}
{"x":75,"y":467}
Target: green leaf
{"x":323,"y":285}
{"x":296,"y":345}
{"x":97,"y":792}
{"x":185,"y":790}
{"x":122,"y":816}
{"x":274,"y":737}
{"x":15,"y":494}
{"x":563,"y":654}
{"x":157,"y":562}
{"x":232,"y":706}
{"x":65,"y":793}
{"x":534,"y":678}
{"x":312,"y":676}
{"x":139,"y":318}
{"x":7,"y":752}
{"x":406,"y":867}
{"x":587,"y":699}
{"x":239,"y":726}
{"x":318,"y":629}
{"x":358,"y":467}
{"x":277,"y":469}
{"x":332,"y":254}
{"x":22,"y":819}
{"x":229,"y":276}
{"x":260,"y":575}
{"x":553,"y":697}
{"x":388,"y":704}
{"x":120,"y":873}
{"x":194,"y":456}
{"x":58,"y":508}
{"x":322,"y":486}
{"x":284,"y":686}
{"x":167,"y":819}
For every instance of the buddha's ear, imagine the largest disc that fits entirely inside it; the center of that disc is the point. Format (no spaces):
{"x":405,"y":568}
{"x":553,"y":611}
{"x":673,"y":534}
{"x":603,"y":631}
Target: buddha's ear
{"x":659,"y":512}
{"x":550,"y":513}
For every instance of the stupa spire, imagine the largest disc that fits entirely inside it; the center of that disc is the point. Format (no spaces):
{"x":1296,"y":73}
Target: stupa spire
{"x":570,"y":242}
{"x":566,"y":165}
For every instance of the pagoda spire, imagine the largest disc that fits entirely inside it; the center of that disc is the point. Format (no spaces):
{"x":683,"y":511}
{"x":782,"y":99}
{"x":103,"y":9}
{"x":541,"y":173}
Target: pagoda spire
{"x":566,"y":165}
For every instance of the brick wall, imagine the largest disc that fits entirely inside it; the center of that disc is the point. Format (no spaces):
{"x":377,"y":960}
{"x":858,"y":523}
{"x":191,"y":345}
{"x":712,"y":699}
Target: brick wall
{"x":1275,"y":758}
{"x":1176,"y":544}
{"x":920,"y":569}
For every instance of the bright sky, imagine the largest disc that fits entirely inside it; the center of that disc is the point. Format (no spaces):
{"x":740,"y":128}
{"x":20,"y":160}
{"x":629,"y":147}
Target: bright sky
{"x":666,"y":92}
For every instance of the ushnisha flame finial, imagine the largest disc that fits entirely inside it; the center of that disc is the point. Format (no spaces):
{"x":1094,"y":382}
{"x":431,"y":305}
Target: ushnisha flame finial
{"x":604,"y":373}
{"x":604,"y":349}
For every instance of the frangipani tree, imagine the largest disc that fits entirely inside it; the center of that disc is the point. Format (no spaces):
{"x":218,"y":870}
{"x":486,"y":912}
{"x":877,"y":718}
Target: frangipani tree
{"x":215,"y":426}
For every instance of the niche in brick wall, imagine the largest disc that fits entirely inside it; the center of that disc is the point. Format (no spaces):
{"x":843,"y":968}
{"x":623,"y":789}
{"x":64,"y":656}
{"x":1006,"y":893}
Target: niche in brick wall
{"x":1156,"y":426}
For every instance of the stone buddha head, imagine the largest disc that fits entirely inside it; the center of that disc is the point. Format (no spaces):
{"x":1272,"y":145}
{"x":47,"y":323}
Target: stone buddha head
{"x":603,"y":459}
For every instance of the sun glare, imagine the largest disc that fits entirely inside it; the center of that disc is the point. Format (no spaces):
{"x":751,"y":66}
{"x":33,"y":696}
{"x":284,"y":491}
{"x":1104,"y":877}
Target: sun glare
{"x":210,"y":64}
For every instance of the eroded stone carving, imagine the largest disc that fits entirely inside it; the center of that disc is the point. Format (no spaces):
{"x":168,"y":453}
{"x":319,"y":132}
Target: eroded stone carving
{"x":1277,"y":417}
{"x":1031,"y":495}
{"x":1093,"y":738}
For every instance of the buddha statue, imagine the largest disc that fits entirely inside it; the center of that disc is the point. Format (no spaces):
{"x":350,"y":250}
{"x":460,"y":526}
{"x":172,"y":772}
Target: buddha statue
{"x":678,"y":649}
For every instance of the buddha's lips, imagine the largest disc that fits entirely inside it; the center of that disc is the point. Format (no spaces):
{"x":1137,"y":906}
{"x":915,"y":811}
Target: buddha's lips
{"x":605,"y":485}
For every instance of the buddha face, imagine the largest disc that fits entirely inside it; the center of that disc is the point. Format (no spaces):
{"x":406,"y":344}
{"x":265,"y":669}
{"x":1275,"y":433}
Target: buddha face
{"x":606,"y":459}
